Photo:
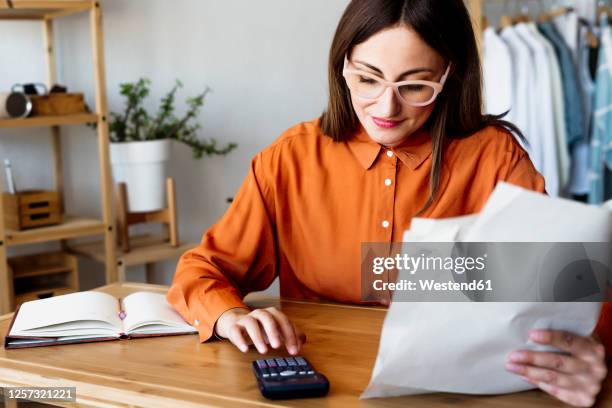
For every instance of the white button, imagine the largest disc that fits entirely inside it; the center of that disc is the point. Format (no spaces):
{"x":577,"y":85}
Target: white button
{"x":385,"y":224}
{"x":387,"y":182}
{"x":389,"y":153}
{"x":196,"y":322}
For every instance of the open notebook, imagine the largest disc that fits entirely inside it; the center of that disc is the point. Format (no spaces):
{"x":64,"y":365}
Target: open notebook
{"x":93,"y":316}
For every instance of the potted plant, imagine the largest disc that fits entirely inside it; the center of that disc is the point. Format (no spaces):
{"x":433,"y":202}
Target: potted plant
{"x":141,"y":143}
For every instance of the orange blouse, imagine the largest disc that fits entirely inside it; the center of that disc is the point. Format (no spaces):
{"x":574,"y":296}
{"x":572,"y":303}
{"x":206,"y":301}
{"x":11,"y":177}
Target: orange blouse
{"x":308,"y":202}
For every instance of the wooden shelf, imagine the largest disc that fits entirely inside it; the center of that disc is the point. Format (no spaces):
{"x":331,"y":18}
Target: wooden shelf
{"x":37,"y":121}
{"x":17,"y":274}
{"x":72,"y":227}
{"x":26,"y":297}
{"x":144,"y":249}
{"x":41,"y":10}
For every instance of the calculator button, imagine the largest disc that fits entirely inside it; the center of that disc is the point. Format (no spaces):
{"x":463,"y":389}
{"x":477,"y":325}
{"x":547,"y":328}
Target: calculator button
{"x":310,"y":372}
{"x":265,"y":375}
{"x":271,"y":362}
{"x":291,"y":361}
{"x":281,"y":362}
{"x":301,"y":361}
{"x":302,"y":372}
{"x":262,"y":364}
{"x":287,"y":373}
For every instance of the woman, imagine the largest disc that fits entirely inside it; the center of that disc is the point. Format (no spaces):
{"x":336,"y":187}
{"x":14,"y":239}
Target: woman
{"x":403,"y":135}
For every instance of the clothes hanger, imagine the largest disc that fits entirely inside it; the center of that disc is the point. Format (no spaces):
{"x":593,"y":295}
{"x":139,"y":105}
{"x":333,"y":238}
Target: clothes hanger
{"x":592,"y":39}
{"x":544,"y":15}
{"x":524,"y":16}
{"x":547,"y":16}
{"x":602,"y":8}
{"x":505,"y":20}
{"x":484,"y":23}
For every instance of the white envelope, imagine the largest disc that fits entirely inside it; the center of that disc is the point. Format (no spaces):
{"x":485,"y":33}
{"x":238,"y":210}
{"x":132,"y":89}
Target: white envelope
{"x":462,"y":347}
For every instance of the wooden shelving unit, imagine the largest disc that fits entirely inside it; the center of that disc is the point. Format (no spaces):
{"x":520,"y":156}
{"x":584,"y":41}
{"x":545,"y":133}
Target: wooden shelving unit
{"x":73,"y":227}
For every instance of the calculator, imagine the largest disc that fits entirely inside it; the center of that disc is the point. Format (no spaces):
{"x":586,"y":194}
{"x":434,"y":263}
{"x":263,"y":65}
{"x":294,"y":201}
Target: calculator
{"x":289,"y":377}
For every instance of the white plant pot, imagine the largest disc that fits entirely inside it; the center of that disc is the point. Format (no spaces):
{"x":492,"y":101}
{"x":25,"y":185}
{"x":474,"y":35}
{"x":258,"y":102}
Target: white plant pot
{"x":142,"y":166}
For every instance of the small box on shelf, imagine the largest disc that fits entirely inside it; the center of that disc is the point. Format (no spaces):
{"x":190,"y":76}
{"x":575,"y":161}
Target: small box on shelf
{"x":43,"y":275}
{"x":55,"y":104}
{"x":30,"y":209}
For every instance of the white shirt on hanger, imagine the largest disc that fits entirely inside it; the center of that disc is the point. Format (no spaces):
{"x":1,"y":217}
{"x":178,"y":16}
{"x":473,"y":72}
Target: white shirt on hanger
{"x":542,"y":111}
{"x":522,"y":85}
{"x":563,"y":156}
{"x":567,"y":25}
{"x":497,"y":75}
{"x":586,"y":9}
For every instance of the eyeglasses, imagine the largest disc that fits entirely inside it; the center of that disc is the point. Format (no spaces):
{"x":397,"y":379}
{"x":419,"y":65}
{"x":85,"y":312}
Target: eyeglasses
{"x":414,"y":92}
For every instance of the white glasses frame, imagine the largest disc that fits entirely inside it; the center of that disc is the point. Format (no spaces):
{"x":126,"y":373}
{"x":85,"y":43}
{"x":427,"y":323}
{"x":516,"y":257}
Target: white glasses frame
{"x":437,"y":86}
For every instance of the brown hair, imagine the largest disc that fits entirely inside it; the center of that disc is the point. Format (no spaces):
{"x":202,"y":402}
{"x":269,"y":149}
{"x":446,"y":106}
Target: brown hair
{"x":446,"y":27}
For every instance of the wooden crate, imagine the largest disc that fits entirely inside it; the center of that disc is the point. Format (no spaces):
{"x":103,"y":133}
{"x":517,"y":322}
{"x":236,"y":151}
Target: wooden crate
{"x":29,"y":209}
{"x":55,"y":104}
{"x":43,"y":275}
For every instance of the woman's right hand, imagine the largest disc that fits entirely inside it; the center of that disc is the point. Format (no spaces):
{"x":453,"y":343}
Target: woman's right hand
{"x":261,"y":327}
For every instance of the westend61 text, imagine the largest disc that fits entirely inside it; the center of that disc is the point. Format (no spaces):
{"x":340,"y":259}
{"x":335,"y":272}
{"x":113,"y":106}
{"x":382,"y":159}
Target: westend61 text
{"x":431,"y":285}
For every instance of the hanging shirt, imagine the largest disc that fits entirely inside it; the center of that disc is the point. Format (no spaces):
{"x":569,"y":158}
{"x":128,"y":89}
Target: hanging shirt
{"x":567,"y":26}
{"x":586,"y":9}
{"x":558,"y":105}
{"x":523,"y":81}
{"x":601,"y":139}
{"x":574,"y":113}
{"x":542,"y":110}
{"x":580,"y":155}
{"x":497,"y":75}
{"x":308,"y":203}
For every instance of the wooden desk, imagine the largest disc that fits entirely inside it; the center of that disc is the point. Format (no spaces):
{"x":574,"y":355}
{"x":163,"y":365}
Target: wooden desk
{"x":181,"y":372}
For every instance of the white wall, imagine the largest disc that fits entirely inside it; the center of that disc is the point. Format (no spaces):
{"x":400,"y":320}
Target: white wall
{"x":265,"y":61}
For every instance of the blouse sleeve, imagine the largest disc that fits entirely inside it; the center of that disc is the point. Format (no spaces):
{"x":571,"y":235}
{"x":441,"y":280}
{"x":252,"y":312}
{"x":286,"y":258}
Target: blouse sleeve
{"x":522,"y":173}
{"x":237,"y":255}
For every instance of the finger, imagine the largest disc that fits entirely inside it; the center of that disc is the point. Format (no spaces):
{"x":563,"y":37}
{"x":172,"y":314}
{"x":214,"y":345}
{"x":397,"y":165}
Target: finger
{"x":577,"y":399}
{"x":579,"y":346}
{"x":287,"y":329}
{"x":301,"y":336}
{"x":270,"y":326}
{"x":554,"y":361}
{"x":236,"y":336}
{"x":255,"y":333}
{"x":600,"y":370}
{"x":537,"y":375}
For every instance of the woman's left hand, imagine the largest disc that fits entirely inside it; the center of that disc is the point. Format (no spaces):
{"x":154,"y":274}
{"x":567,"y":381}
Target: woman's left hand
{"x":574,"y":378}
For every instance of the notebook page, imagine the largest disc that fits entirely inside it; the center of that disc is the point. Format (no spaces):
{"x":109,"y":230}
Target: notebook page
{"x":149,"y":309}
{"x":68,"y":313}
